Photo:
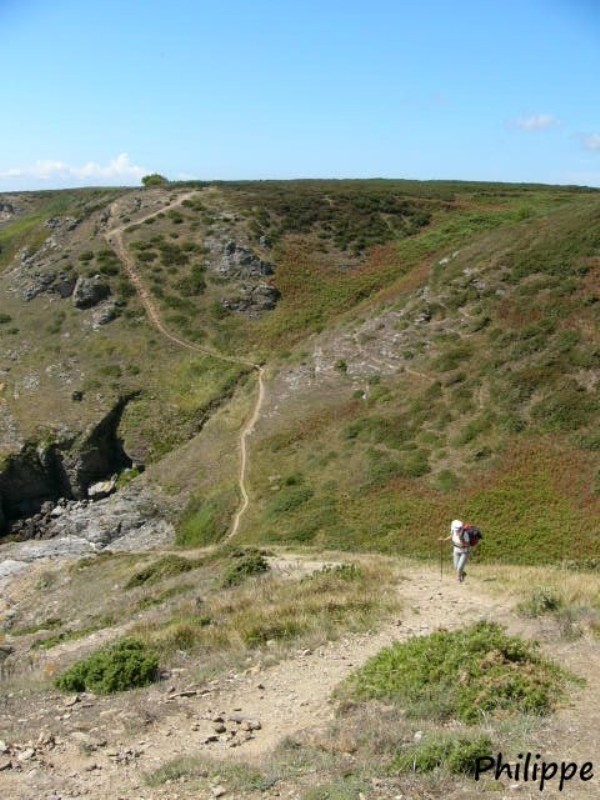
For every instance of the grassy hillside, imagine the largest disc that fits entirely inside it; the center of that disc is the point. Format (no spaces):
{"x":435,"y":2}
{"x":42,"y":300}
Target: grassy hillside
{"x":433,"y":352}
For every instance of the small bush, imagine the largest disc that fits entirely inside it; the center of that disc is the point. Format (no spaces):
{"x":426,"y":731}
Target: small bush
{"x":541,"y":601}
{"x":124,"y":665}
{"x":463,"y":674}
{"x":457,"y":754}
{"x":246,"y":563}
{"x":165,"y":567}
{"x":289,"y":499}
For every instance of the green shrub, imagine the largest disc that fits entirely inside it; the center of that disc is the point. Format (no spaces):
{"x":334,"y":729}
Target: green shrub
{"x":565,"y":410}
{"x":205,"y":521}
{"x":542,"y":601}
{"x":124,"y":665}
{"x":245,"y":564}
{"x":154,"y":179}
{"x":464,"y":674}
{"x":289,"y":499}
{"x":165,"y":567}
{"x":457,"y":754}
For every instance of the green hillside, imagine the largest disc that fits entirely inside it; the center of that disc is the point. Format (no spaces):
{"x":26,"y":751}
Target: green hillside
{"x":431,"y":350}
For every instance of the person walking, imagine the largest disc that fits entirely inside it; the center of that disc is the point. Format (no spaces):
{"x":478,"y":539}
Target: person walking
{"x":462,"y":545}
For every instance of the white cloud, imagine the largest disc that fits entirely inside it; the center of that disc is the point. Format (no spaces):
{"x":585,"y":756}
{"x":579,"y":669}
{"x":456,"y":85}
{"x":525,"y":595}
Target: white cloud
{"x":591,"y":141}
{"x":119,"y":169}
{"x":537,"y":122}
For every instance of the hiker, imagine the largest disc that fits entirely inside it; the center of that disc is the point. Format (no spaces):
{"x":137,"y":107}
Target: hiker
{"x":464,"y":538}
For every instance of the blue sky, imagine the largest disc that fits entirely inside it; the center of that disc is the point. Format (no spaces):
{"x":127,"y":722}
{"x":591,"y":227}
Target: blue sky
{"x":104,"y":93}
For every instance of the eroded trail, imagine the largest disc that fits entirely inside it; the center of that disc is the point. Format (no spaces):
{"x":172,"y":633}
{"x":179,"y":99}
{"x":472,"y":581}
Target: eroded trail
{"x":114,"y":238}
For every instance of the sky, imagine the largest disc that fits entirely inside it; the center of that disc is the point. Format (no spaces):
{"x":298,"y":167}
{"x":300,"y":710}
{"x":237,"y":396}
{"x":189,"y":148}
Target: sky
{"x":103,"y":93}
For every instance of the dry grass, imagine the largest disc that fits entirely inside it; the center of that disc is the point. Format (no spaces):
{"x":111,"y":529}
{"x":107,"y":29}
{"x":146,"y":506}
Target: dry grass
{"x":274,"y":612}
{"x":569,"y":597}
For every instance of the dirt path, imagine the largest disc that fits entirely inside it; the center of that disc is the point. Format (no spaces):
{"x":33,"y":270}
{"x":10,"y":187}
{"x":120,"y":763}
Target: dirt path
{"x":102,"y":755}
{"x":114,"y":238}
{"x":248,"y":428}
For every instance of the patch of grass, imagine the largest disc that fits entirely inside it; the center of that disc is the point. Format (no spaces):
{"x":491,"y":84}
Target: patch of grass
{"x":99,"y":622}
{"x":247,"y":616}
{"x":127,"y":664}
{"x":245,"y":564}
{"x":462,"y":675}
{"x":205,"y":521}
{"x":457,"y":754}
{"x":238,"y":778}
{"x":289,"y":499}
{"x":542,"y":600}
{"x":348,"y":788}
{"x":165,"y":567}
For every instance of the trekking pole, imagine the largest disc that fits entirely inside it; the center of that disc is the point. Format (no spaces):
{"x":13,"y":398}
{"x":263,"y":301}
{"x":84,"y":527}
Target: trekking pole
{"x":441,"y":560}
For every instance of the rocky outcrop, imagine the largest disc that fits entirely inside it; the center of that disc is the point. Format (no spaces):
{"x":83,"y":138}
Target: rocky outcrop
{"x":128,"y":520}
{"x":63,"y":223}
{"x":29,"y":478}
{"x":240,"y":262}
{"x":88,"y":292}
{"x":105,"y":314}
{"x":7,"y":211}
{"x":97,"y":453}
{"x":42,"y":473}
{"x":61,"y":283}
{"x":253,"y":300}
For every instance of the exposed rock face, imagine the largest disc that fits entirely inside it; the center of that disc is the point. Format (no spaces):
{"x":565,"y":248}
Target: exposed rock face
{"x":254,"y":300}
{"x":88,"y":292}
{"x":7,"y":211}
{"x":239,"y":262}
{"x":246,"y":271}
{"x":129,"y":520}
{"x":62,"y":283}
{"x":66,"y":223}
{"x":29,"y":478}
{"x":40,"y":473}
{"x":97,"y":454}
{"x":105,"y":314}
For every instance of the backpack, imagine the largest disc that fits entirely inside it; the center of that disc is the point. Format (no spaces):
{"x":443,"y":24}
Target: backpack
{"x":472,"y":534}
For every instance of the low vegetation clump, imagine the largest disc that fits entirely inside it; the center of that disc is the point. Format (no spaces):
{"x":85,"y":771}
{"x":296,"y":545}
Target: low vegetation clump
{"x":165,"y":567}
{"x":542,"y":600}
{"x":127,"y":664}
{"x":463,"y":675}
{"x":457,"y":754}
{"x":245,"y":564}
{"x":205,"y":522}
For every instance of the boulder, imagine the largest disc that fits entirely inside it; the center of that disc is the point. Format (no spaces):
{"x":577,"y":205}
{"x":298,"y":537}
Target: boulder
{"x":105,"y":314}
{"x":102,"y":489}
{"x":88,"y":292}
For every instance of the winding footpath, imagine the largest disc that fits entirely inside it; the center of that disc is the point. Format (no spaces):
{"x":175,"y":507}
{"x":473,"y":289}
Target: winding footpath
{"x":114,"y":239}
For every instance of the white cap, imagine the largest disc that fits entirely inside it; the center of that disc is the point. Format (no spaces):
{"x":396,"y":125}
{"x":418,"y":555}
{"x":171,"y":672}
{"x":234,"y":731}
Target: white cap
{"x":456,"y":526}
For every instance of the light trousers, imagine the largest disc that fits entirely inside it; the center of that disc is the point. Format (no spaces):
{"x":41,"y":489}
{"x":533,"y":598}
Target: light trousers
{"x":460,"y":560}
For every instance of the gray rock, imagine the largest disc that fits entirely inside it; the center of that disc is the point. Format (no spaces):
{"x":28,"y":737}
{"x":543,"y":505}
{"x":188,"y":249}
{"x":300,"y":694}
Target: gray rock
{"x":64,"y":285}
{"x":102,"y":489}
{"x":88,"y":292}
{"x":106,"y":314}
